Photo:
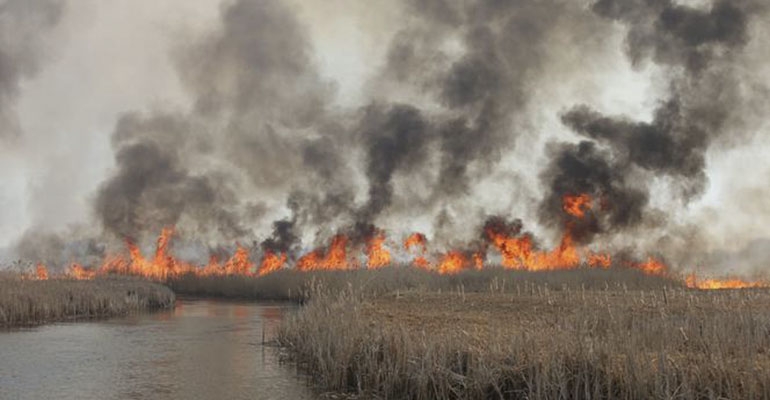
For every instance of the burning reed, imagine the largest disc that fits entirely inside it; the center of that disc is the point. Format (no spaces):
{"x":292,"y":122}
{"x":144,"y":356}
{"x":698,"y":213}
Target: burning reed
{"x":25,"y":302}
{"x":537,"y":341}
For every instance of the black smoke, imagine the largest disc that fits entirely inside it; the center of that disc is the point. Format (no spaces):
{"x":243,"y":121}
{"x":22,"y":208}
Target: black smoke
{"x":265,"y":152}
{"x":618,"y":156}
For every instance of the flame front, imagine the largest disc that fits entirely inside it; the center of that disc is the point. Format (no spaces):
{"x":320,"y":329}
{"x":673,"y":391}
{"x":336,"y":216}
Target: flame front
{"x":77,"y":271}
{"x":334,"y":259}
{"x":418,"y":241}
{"x":452,"y":263}
{"x":271,"y":262}
{"x":599,"y":260}
{"x":378,"y":255}
{"x":652,"y":267}
{"x":518,"y":252}
{"x":41,"y":272}
{"x":731,"y":283}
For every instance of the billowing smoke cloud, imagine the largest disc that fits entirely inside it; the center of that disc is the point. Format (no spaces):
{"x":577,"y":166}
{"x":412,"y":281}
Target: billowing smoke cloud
{"x":265,"y":154}
{"x":283,"y":238}
{"x":152,"y":189}
{"x":23,"y":26}
{"x":395,"y":139}
{"x":619,"y":157}
{"x":484,"y":91}
{"x":257,"y":102}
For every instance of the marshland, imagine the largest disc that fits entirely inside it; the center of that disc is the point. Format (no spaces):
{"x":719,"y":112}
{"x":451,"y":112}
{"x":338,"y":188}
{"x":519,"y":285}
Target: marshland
{"x":571,"y":334}
{"x":384,"y":199}
{"x":404,"y":332}
{"x":25,"y":302}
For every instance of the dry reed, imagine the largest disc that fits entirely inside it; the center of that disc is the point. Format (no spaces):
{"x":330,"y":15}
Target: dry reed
{"x":299,"y":286}
{"x":31,"y":302}
{"x":537,"y":340}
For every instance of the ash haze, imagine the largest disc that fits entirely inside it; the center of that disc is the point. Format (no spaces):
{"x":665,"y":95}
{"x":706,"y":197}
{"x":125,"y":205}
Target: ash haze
{"x":285,"y":122}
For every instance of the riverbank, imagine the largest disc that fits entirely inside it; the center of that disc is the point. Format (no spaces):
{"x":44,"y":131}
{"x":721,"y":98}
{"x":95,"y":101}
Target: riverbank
{"x":538,"y":342}
{"x":26,"y":302}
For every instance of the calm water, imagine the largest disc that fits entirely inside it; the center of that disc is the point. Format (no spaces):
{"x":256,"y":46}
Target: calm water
{"x":201,"y":350}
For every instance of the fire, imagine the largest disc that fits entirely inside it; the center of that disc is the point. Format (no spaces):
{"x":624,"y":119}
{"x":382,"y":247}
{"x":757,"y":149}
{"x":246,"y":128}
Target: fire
{"x":452,"y":263}
{"x":517,"y":249}
{"x":576,"y":205}
{"x":732,"y":283}
{"x":334,"y":259}
{"x":478,"y":260}
{"x":161,"y":250}
{"x":41,"y":272}
{"x":418,"y":240}
{"x":421,"y":262}
{"x":519,"y":252}
{"x":597,"y":260}
{"x":78,"y":272}
{"x":141,"y":266}
{"x":271,"y":262}
{"x":163,"y":265}
{"x":239,"y":263}
{"x":652,"y":267}
{"x":378,"y":255}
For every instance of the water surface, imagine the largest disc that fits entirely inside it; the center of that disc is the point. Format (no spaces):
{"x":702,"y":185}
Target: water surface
{"x":201,"y":350}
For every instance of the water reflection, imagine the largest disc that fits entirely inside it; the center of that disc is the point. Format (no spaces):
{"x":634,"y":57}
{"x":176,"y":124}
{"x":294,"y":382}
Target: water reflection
{"x":201,"y":350}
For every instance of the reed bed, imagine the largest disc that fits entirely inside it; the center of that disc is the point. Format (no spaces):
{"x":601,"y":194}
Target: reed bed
{"x":536,"y":340}
{"x":31,"y":302}
{"x":292,"y":285}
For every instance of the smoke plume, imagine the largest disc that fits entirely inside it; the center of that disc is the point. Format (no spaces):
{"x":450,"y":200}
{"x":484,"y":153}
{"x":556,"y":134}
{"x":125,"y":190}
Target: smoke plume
{"x":472,"y":105}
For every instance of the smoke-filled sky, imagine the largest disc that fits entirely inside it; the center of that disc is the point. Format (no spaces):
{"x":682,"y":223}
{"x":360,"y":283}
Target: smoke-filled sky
{"x":284,"y":122}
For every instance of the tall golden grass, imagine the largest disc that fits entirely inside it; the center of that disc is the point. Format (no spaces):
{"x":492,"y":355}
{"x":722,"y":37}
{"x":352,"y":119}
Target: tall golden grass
{"x":299,"y":286}
{"x":26,"y":302}
{"x":551,"y":335}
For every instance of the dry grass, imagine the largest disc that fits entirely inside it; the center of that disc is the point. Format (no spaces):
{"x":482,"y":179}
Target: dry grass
{"x":30,"y":302}
{"x":527,"y":340}
{"x":300,"y":286}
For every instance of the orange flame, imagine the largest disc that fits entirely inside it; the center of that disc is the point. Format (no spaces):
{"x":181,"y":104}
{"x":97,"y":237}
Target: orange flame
{"x":731,"y":283}
{"x":239,"y":263}
{"x":78,"y":272}
{"x":418,"y":240}
{"x":602,"y":260}
{"x":452,"y":263}
{"x":518,"y":253}
{"x":378,"y":256}
{"x":576,"y":205}
{"x":271,"y":262}
{"x":41,"y":272}
{"x":478,"y":260}
{"x":213,"y":267}
{"x":652,"y":267}
{"x":334,"y":259}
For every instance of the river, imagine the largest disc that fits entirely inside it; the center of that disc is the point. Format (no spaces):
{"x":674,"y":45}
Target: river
{"x":203,"y":349}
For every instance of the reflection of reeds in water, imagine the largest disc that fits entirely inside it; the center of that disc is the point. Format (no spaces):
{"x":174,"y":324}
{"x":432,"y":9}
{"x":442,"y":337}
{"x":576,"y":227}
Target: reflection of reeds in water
{"x":31,"y":302}
{"x":529,"y":340}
